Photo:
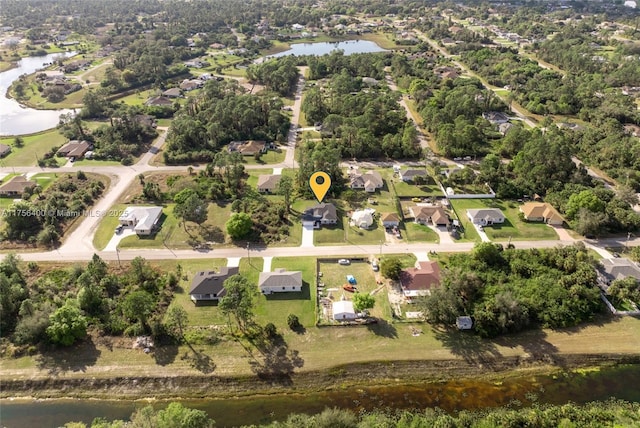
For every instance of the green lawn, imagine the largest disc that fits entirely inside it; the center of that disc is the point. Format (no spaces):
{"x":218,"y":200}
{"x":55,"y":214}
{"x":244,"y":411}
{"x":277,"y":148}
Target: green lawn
{"x":512,"y":229}
{"x":406,"y":190}
{"x":35,"y":146}
{"x":272,"y":156}
{"x":415,"y":232}
{"x":105,"y":229}
{"x":273,"y":308}
{"x":460,"y":207}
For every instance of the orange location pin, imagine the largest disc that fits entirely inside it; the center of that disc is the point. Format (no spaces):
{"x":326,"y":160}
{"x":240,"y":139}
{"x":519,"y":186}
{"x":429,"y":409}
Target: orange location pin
{"x":320,"y":182}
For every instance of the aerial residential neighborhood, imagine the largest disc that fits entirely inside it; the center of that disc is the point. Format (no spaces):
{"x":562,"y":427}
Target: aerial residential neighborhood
{"x":164,"y":235}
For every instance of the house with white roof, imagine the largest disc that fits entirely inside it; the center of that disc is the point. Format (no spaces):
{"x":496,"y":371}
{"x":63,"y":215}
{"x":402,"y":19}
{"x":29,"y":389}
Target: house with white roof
{"x":343,"y":310}
{"x":485,"y":216}
{"x":143,"y":219}
{"x":280,"y":281}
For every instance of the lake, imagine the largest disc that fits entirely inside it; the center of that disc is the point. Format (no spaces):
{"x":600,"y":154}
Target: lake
{"x":349,"y":47}
{"x":523,"y":390}
{"x":16,"y":119}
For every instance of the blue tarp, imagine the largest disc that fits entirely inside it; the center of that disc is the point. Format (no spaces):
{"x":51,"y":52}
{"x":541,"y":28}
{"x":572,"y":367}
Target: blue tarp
{"x":351,"y":279}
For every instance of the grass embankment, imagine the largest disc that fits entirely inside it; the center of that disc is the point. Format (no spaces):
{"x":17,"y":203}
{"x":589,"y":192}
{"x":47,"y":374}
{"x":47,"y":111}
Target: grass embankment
{"x":333,"y":357}
{"x":35,"y":146}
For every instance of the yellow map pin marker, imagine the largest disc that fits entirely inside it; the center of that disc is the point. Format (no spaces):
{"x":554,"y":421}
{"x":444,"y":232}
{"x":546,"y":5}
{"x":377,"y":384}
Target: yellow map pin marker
{"x":320,"y":183}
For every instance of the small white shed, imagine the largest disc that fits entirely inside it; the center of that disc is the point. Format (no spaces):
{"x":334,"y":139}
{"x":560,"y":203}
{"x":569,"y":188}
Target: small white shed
{"x":343,"y":310}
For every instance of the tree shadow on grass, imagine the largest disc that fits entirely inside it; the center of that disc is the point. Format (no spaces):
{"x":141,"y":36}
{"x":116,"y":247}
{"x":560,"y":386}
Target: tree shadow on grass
{"x":383,"y":328}
{"x":76,"y":358}
{"x":199,"y":360}
{"x":534,"y":343}
{"x":273,"y":360}
{"x":472,"y":348}
{"x":166,"y":354}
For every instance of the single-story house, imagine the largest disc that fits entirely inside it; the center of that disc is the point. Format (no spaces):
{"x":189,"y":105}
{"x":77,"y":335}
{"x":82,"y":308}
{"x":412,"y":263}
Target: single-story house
{"x":4,"y":150}
{"x":247,"y":148}
{"x":419,"y":280}
{"x":143,"y":219}
{"x":160,"y":101}
{"x":485,"y":216}
{"x":362,"y":218}
{"x":74,"y":149}
{"x":541,"y":211}
{"x":172,"y":93}
{"x":343,"y":310}
{"x":268,"y":183}
{"x":280,"y":281}
{"x":390,"y":219}
{"x":496,"y":117}
{"x":209,"y":285}
{"x":464,"y":323}
{"x":321,"y":214}
{"x":435,"y":215}
{"x":370,"y":181}
{"x":190,"y":85}
{"x":411,"y":174}
{"x":16,"y":186}
{"x":612,"y":269}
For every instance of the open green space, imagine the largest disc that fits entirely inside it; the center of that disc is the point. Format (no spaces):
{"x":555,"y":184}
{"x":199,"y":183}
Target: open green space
{"x":415,"y":232}
{"x":270,"y":157}
{"x":107,"y":225}
{"x":35,"y":146}
{"x":406,"y":190}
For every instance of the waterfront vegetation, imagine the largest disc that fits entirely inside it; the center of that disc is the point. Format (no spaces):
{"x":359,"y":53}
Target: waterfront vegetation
{"x":612,"y":413}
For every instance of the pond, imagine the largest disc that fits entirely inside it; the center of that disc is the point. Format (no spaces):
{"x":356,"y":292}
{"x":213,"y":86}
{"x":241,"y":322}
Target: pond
{"x":16,"y":119}
{"x":579,"y":387}
{"x":349,"y":47}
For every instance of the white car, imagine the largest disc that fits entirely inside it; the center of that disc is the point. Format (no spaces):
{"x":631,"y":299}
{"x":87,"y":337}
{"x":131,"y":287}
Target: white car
{"x":374,"y":266}
{"x":344,"y":262}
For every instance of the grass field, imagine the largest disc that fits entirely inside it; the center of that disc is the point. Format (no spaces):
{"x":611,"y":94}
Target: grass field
{"x":415,"y":232}
{"x":35,"y":146}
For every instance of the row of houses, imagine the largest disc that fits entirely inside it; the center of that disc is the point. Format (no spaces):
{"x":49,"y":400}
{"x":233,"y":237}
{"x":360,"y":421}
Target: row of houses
{"x":209,"y":285}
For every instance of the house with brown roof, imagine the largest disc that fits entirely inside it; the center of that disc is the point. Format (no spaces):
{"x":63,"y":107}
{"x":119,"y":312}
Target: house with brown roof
{"x":172,"y":93}
{"x":4,"y":150}
{"x":268,"y":183}
{"x":370,"y":181}
{"x":419,"y":280}
{"x":248,"y":148}
{"x":541,"y":211}
{"x":209,"y":285}
{"x":390,"y":219}
{"x":74,"y":149}
{"x":16,"y":186}
{"x":435,"y":215}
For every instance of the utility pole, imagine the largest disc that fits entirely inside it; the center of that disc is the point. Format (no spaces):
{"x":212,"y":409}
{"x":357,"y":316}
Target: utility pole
{"x":248,"y":253}
{"x":380,"y":249}
{"x":118,"y":255}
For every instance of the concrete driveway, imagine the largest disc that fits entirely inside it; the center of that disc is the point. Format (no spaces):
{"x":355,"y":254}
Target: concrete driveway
{"x":307,"y":234}
{"x":117,"y":237}
{"x":483,"y":236}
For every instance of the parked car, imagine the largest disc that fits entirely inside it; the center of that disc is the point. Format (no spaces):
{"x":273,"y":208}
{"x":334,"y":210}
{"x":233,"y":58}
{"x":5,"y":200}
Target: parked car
{"x":344,"y":262}
{"x":118,"y":229}
{"x":374,"y":266}
{"x":416,"y":200}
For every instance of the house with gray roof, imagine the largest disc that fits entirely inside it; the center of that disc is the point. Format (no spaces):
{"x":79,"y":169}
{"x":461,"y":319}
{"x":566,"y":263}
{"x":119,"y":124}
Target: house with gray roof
{"x":485,"y":216}
{"x":209,"y":285}
{"x":321,"y":214}
{"x":612,"y":269}
{"x":411,"y":174}
{"x":280,"y":281}
{"x":4,"y":150}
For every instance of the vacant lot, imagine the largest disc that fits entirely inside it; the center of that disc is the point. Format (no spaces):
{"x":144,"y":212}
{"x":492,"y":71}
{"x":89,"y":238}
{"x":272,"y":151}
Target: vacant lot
{"x":35,"y":146}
